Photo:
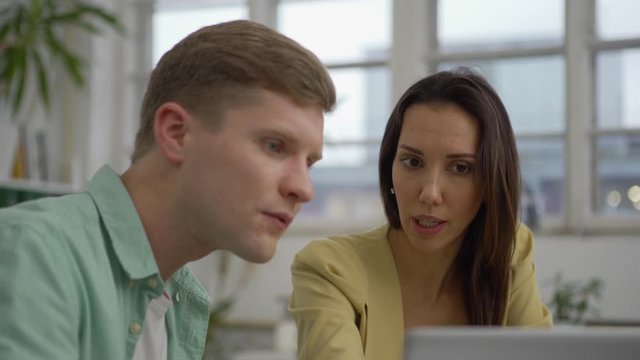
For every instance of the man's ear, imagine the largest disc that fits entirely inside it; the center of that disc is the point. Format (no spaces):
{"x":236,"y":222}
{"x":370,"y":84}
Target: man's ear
{"x":170,"y":127}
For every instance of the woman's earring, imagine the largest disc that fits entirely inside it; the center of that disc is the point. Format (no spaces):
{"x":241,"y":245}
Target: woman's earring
{"x":392,"y":191}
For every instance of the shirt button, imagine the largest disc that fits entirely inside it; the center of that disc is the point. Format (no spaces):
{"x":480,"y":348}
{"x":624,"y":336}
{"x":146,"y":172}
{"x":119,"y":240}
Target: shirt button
{"x":153,"y":283}
{"x":135,"y":328}
{"x":177,"y":296}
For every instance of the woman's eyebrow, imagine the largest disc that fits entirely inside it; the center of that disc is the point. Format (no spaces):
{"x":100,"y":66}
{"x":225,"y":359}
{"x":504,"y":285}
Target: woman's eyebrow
{"x":451,"y":156}
{"x":410,"y":149}
{"x":461,"y":156}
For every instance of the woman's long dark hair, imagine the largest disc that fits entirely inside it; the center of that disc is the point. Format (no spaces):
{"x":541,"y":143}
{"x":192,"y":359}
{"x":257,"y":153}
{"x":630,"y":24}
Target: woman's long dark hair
{"x":485,"y":255}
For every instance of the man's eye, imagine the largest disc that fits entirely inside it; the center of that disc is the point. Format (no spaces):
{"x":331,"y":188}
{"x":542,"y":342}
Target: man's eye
{"x":274,"y":146}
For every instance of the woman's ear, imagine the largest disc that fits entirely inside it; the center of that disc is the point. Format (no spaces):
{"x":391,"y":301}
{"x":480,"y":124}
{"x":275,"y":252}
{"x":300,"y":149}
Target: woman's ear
{"x":170,"y":127}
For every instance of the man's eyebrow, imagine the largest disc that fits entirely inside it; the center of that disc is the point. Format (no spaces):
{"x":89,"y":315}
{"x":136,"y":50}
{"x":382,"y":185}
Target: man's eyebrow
{"x":450,"y":156}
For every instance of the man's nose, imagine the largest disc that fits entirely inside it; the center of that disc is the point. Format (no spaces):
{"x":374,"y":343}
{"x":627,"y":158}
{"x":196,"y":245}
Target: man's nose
{"x":297,"y":182}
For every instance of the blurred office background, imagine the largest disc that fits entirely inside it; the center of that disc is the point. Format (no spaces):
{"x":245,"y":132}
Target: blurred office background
{"x":567,"y":70}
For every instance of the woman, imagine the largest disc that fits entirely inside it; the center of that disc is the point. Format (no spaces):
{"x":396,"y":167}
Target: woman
{"x":453,"y":252}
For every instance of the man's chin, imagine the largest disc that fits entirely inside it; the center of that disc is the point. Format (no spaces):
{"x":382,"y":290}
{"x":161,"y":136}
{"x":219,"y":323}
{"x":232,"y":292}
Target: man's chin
{"x":259,"y":256}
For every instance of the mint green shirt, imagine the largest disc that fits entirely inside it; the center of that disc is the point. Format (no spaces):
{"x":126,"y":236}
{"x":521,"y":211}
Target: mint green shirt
{"x":77,"y":273}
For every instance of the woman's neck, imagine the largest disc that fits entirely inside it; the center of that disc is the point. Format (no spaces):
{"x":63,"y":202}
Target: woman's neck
{"x":430,"y":274}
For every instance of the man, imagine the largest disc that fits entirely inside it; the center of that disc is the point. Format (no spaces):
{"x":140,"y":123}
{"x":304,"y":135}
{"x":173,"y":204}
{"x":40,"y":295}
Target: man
{"x":231,"y":121}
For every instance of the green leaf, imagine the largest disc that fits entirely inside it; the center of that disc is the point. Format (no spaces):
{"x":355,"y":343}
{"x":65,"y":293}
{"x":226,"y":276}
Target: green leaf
{"x":29,"y":32}
{"x":10,"y":66}
{"x":43,"y":81}
{"x":107,"y":17}
{"x":70,"y":61}
{"x":82,"y":15}
{"x":87,"y":26}
{"x":19,"y":19}
{"x":4,"y":31}
{"x":21,"y":71}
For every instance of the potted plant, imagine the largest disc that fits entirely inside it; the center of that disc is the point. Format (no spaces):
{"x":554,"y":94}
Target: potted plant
{"x":571,"y":300}
{"x":33,"y":49}
{"x":31,"y":38}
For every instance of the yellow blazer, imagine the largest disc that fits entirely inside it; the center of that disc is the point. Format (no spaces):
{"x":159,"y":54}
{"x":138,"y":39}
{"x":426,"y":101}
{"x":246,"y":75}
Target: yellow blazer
{"x":347,"y":303}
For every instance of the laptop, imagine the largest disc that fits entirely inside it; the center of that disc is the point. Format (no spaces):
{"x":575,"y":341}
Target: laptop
{"x":488,"y":343}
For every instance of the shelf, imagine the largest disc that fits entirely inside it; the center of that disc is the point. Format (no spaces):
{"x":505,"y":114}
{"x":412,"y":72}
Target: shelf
{"x":47,"y":187}
{"x":15,"y":191}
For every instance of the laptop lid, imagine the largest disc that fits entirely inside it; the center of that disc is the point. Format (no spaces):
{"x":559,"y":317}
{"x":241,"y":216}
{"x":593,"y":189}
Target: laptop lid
{"x":486,"y":343}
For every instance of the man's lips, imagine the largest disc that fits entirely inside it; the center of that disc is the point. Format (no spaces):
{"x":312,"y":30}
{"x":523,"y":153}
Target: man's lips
{"x":283,"y":217}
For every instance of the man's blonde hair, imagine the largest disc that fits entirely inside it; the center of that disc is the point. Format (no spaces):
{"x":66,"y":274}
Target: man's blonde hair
{"x":223,"y":65}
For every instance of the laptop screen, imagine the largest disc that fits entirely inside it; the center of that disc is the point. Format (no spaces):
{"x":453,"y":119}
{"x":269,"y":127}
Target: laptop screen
{"x":488,"y":343}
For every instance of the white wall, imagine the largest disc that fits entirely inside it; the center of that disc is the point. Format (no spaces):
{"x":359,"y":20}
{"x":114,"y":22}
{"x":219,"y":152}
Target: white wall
{"x":613,"y":259}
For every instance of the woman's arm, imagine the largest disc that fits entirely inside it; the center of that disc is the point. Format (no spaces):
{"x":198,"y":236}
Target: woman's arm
{"x":328,"y":302}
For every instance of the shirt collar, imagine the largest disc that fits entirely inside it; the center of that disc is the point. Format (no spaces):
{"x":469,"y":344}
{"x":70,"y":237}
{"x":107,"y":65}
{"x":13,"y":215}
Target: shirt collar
{"x":122,"y":223}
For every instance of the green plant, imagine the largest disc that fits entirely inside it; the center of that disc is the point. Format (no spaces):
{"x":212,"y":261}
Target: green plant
{"x":31,"y":38}
{"x":571,"y":300}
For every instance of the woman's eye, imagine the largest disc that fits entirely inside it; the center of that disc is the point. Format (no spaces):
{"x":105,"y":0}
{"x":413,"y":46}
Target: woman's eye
{"x":411,"y":162}
{"x":461,"y":168}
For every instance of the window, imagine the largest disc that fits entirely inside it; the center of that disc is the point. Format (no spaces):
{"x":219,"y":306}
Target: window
{"x":616,"y":137}
{"x":173,"y":20}
{"x":356,"y":53}
{"x":518,"y":47}
{"x":532,"y":89}
{"x":471,"y":25}
{"x":571,"y":85}
{"x":617,"y":19}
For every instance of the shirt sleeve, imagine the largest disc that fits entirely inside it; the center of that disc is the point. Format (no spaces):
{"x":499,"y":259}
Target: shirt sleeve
{"x":37,"y":316}
{"x":525,"y":307}
{"x":328,"y":302}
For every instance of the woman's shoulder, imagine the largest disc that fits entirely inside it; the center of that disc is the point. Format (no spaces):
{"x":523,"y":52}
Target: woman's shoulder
{"x":523,"y":250}
{"x":342,"y":255}
{"x":344,"y":245}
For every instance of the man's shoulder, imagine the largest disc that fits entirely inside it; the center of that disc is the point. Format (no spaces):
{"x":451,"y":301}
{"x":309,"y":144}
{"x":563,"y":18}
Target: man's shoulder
{"x":49,"y":223}
{"x":51,"y":209}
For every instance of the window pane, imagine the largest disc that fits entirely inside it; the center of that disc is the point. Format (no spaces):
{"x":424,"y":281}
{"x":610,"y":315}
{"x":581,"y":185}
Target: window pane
{"x":173,"y":23}
{"x":361,"y":113}
{"x":618,"y":174}
{"x":346,"y":179}
{"x":617,"y":19}
{"x":499,"y":23}
{"x":618,"y":89}
{"x":542,"y":168}
{"x":339,"y":30}
{"x":532,"y":89}
{"x":346,"y":192}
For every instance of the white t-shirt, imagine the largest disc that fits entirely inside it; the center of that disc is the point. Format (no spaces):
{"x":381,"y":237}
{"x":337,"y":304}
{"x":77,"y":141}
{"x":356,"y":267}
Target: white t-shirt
{"x":152,"y":343}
